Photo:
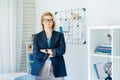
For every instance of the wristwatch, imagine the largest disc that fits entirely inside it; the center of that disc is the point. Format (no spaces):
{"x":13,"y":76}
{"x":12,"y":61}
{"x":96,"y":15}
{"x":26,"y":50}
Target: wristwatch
{"x":46,"y":50}
{"x":46,"y":56}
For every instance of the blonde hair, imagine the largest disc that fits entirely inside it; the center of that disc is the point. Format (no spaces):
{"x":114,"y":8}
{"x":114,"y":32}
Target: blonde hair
{"x":47,"y":14}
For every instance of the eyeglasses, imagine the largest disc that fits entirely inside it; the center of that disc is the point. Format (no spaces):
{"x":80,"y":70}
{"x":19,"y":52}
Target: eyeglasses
{"x":48,"y":20}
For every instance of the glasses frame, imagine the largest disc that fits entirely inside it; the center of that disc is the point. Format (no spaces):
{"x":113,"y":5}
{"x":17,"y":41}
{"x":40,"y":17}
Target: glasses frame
{"x":48,"y":20}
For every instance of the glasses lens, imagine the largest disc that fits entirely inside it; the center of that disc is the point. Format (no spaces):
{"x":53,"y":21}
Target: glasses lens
{"x":48,"y":20}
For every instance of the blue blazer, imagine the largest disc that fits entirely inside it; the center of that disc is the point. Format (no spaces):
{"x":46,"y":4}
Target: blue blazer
{"x":57,"y":44}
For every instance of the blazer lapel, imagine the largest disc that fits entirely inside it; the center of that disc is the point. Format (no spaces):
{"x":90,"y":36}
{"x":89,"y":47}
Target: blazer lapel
{"x":44,"y":39}
{"x":52,"y":39}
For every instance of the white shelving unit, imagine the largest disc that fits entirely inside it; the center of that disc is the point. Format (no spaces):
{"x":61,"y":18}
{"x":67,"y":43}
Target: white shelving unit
{"x":116,"y":53}
{"x":29,"y":54}
{"x":97,"y":37}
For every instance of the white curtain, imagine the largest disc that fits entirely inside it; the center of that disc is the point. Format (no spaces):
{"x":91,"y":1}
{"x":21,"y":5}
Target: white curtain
{"x":7,"y":36}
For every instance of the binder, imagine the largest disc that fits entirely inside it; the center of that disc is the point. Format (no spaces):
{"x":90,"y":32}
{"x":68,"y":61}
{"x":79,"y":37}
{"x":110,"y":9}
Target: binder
{"x":99,"y":71}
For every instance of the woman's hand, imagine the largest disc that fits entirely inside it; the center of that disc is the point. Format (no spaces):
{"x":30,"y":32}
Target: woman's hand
{"x":51,"y":55}
{"x":43,"y":50}
{"x":49,"y":51}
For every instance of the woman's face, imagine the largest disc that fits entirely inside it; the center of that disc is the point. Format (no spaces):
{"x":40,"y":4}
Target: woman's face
{"x":47,"y":22}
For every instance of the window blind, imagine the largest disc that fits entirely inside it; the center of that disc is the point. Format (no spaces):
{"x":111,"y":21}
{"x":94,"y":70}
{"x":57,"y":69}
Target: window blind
{"x":28,"y":28}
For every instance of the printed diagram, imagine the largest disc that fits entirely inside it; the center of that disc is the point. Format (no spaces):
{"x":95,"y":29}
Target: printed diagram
{"x":72,"y":24}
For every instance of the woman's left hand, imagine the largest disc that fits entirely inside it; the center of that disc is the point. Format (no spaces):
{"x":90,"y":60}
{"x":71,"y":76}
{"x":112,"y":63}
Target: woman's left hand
{"x":51,"y":55}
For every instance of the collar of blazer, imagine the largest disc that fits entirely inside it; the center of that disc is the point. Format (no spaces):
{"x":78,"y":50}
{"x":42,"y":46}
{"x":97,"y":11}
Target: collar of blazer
{"x":45,"y":38}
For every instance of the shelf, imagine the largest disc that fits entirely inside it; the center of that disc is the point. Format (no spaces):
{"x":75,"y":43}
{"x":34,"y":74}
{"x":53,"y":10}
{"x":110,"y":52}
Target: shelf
{"x":29,"y":55}
{"x":97,"y":38}
{"x":116,"y":57}
{"x":101,"y":55}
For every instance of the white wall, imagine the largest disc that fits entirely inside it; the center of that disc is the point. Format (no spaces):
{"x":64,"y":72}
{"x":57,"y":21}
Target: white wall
{"x":98,"y":12}
{"x":103,"y":12}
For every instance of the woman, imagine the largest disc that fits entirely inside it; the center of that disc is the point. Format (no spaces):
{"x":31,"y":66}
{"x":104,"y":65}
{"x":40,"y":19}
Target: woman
{"x":49,"y":48}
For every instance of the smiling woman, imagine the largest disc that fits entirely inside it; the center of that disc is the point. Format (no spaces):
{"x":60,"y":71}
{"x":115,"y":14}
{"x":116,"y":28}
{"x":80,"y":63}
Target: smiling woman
{"x":48,"y":50}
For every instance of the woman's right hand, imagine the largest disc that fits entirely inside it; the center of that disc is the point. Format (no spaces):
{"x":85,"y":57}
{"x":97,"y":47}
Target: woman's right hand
{"x":43,"y":50}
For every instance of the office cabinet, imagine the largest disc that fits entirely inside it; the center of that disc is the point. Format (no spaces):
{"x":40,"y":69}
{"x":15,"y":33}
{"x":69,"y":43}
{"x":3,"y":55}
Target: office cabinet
{"x":103,"y":52}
